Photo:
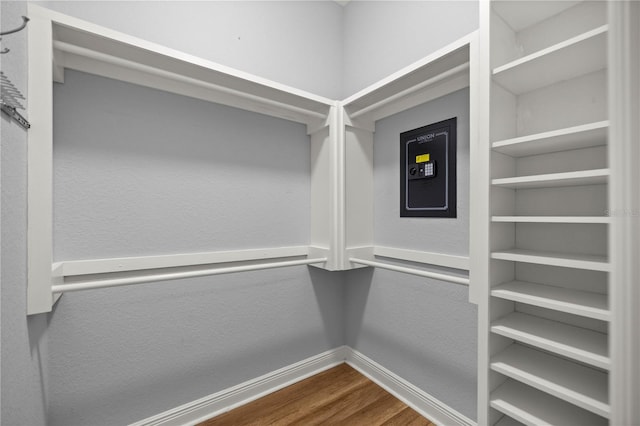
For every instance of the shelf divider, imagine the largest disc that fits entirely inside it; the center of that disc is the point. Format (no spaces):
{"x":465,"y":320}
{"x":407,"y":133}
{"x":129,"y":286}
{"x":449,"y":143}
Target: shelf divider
{"x":552,"y":219}
{"x":572,"y":382}
{"x":583,"y":303}
{"x":593,"y":263}
{"x":577,"y":56}
{"x":532,"y":407}
{"x":576,"y":137}
{"x":550,"y":180}
{"x":577,"y":343}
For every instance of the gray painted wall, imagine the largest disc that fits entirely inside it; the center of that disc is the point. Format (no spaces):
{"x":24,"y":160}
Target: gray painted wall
{"x":381,"y":37}
{"x":24,"y":340}
{"x":144,"y":172}
{"x":116,"y":356}
{"x":423,"y":330}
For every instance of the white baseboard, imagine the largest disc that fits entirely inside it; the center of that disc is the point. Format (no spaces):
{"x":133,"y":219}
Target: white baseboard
{"x":425,"y":404}
{"x":220,"y":402}
{"x":228,"y":399}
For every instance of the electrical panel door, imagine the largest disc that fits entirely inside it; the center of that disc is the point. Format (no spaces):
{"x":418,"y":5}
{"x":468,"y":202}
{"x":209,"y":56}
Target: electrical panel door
{"x":428,"y":170}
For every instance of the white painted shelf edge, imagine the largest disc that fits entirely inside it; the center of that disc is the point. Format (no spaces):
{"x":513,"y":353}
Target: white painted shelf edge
{"x":167,"y":276}
{"x":571,"y":58}
{"x":82,"y":39}
{"x":535,"y":408}
{"x":577,"y":178}
{"x":573,"y":342}
{"x":575,"y":137}
{"x":552,"y":219}
{"x":579,"y":385}
{"x":428,"y":258}
{"x":136,"y":263}
{"x":384,"y":84}
{"x":552,"y":49}
{"x":583,"y":303}
{"x":594,"y":263}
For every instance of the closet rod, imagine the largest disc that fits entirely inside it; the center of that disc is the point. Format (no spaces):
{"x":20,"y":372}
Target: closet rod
{"x":116,"y":282}
{"x":413,"y":271}
{"x":81,"y":51}
{"x":433,"y":80}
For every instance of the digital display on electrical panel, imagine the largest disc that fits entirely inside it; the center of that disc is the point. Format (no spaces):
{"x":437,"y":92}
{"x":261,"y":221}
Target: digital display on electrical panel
{"x":428,"y":170}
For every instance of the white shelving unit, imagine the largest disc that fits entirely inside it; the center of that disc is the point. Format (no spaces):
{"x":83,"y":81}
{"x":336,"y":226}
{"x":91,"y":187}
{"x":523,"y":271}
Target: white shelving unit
{"x":341,"y":139}
{"x":545,"y":310}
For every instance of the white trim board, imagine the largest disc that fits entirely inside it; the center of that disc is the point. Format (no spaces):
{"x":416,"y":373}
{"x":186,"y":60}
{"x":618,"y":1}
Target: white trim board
{"x":220,"y":402}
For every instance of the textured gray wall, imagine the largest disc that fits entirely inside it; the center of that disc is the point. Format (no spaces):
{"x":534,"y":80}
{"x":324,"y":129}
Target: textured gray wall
{"x":144,"y":172}
{"x":441,"y":235}
{"x":24,"y":340}
{"x":381,"y":37}
{"x":421,"y":329}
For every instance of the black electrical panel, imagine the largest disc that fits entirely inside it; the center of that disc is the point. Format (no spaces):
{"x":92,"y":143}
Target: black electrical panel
{"x":428,"y":170}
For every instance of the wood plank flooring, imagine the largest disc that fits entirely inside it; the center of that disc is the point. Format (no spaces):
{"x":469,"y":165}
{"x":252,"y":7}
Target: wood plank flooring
{"x":338,"y":396}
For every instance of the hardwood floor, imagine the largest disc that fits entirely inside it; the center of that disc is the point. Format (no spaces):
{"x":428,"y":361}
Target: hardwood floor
{"x":338,"y":396}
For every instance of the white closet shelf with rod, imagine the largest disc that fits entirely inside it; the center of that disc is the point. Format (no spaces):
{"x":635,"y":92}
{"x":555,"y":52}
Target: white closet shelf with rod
{"x":155,"y":277}
{"x":58,"y":42}
{"x":413,"y":271}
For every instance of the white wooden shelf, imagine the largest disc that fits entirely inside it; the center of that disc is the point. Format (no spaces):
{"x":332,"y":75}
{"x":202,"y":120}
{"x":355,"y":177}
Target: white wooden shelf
{"x":593,"y":263}
{"x":439,"y":73}
{"x":576,"y":137}
{"x":583,"y":303}
{"x":534,"y":408}
{"x":577,"y":343}
{"x":90,"y":48}
{"x":579,"y":385}
{"x":583,"y":177}
{"x":551,"y":219}
{"x":580,"y":55}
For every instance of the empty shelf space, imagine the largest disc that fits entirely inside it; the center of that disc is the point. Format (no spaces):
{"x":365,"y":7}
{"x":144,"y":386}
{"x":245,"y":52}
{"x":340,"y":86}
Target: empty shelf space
{"x":583,"y":303}
{"x":573,"y":342}
{"x":551,"y":219}
{"x":520,"y":15}
{"x":550,"y":180}
{"x":576,"y":137}
{"x":508,"y":421}
{"x":572,"y":382}
{"x":534,"y":408}
{"x":577,"y":56}
{"x":593,"y":263}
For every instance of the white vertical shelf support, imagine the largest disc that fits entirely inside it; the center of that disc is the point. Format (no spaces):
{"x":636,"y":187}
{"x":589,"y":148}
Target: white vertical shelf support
{"x":624,"y":203}
{"x":479,"y":190}
{"x":39,"y":163}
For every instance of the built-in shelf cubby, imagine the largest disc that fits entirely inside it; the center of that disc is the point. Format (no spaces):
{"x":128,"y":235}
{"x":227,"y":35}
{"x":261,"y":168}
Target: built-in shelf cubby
{"x":548,"y":300}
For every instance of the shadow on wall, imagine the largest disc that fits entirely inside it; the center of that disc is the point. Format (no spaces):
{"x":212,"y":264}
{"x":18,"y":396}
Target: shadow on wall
{"x":420,"y":329}
{"x":359,"y":285}
{"x":329,"y":289}
{"x":37,"y":329}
